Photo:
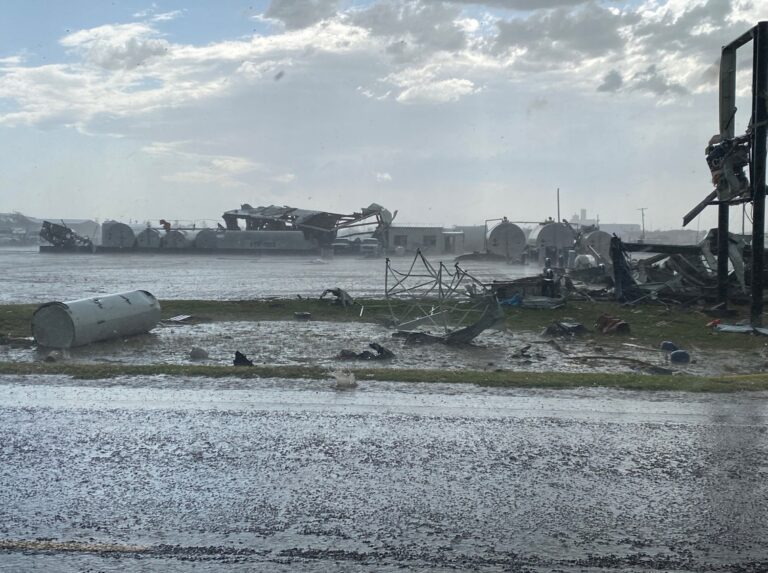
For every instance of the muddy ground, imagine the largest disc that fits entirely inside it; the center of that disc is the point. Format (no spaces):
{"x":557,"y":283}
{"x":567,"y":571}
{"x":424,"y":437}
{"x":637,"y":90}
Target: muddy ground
{"x":316,"y":343}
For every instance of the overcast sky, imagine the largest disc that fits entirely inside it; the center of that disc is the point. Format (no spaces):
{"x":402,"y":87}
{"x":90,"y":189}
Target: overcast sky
{"x":451,"y":112}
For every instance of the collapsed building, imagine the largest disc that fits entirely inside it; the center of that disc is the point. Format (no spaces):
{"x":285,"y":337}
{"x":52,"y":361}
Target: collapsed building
{"x":271,"y":229}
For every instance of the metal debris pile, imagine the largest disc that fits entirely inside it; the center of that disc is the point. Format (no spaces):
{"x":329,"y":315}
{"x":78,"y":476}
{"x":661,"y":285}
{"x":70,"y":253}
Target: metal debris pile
{"x":454,"y":306}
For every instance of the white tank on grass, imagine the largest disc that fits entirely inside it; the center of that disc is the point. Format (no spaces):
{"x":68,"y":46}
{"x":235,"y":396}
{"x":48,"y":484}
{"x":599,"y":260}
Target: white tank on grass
{"x":80,"y":322}
{"x":507,"y":240}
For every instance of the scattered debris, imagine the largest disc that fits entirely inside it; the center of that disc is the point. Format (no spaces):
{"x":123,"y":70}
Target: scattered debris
{"x":179,"y":318}
{"x":444,"y":299}
{"x":608,"y":324}
{"x":345,"y":379}
{"x":741,"y":329}
{"x":241,"y":359}
{"x":680,"y":357}
{"x":197,"y":353}
{"x":302,"y":315}
{"x":381,"y":353}
{"x":565,"y":329}
{"x":63,"y":237}
{"x":668,"y":346}
{"x":53,"y":356}
{"x":342,"y":296}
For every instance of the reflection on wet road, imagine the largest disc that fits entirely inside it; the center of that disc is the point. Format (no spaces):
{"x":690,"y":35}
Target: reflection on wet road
{"x":293,"y":475}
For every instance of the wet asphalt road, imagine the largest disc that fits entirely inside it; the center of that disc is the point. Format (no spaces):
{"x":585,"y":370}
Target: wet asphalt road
{"x":271,"y":475}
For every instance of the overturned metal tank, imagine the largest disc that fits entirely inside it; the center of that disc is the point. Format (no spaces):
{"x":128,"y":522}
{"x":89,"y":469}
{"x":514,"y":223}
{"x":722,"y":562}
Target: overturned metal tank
{"x":79,"y":322}
{"x":506,"y":240}
{"x":149,"y":238}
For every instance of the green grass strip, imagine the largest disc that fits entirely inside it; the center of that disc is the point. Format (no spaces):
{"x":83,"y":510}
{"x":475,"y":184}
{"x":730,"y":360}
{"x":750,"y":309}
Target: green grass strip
{"x":501,"y":379}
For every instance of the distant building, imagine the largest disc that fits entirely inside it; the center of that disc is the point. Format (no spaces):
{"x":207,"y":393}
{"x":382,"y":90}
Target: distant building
{"x":474,"y":238}
{"x":428,"y":240}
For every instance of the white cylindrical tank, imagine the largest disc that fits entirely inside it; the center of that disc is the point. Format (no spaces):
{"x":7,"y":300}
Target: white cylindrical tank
{"x":178,"y":239}
{"x":507,"y":240}
{"x":79,"y":322}
{"x":118,"y":235}
{"x":551,"y":235}
{"x":598,"y":240}
{"x":208,"y":238}
{"x":149,"y":238}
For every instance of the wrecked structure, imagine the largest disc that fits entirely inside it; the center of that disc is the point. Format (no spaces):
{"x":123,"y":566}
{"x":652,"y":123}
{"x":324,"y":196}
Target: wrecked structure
{"x":728,"y":155}
{"x":273,"y":229}
{"x":454,"y":303}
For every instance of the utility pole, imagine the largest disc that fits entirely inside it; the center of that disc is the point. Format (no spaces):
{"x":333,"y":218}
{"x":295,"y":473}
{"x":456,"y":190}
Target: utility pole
{"x":642,"y":214}
{"x":558,"y":204}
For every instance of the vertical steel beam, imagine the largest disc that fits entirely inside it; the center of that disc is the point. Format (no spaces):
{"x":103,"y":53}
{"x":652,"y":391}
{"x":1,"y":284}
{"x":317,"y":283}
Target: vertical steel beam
{"x":727,"y":104}
{"x":759,"y":133}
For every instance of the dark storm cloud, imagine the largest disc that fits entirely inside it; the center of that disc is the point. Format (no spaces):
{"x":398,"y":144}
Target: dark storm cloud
{"x":564,"y":35}
{"x":612,"y":82}
{"x":301,"y":13}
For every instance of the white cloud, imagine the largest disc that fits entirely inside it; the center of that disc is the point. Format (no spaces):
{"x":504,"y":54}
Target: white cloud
{"x":383,"y":177}
{"x":117,"y":47}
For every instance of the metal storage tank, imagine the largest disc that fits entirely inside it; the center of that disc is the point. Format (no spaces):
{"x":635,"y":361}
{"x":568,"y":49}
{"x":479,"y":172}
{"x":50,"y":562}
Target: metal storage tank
{"x":149,"y":238}
{"x":178,"y":239}
{"x":598,"y":240}
{"x":551,"y":235}
{"x":265,"y":241}
{"x":79,"y":322}
{"x":507,"y":240}
{"x":119,"y":235}
{"x":208,"y":238}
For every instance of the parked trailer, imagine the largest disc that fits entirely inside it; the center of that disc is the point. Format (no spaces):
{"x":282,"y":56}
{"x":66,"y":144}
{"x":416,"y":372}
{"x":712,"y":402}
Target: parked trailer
{"x":80,"y":322}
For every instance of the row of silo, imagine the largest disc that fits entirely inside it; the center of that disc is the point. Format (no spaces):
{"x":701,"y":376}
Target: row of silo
{"x":116,"y":235}
{"x":548,"y":240}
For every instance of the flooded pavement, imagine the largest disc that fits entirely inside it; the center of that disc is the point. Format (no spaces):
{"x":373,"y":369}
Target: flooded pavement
{"x":317,"y":343}
{"x":273,"y":475}
{"x":29,"y":276}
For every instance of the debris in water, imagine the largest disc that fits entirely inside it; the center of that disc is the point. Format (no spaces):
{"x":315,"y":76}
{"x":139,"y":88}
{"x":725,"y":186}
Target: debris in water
{"x":342,"y":296}
{"x":381,"y":353}
{"x":241,"y":359}
{"x":197,"y":353}
{"x":608,"y":324}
